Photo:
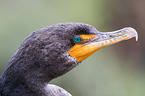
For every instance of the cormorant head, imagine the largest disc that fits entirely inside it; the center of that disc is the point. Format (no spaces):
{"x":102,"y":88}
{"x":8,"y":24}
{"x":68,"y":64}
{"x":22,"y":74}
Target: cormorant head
{"x":54,"y":50}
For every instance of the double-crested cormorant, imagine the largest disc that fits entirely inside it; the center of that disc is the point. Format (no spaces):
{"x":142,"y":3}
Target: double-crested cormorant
{"x":51,"y":52}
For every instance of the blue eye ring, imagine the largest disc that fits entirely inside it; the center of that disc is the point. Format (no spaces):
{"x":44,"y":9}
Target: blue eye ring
{"x":77,"y":39}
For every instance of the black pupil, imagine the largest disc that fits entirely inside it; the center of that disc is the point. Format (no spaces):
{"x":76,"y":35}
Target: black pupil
{"x":78,"y":39}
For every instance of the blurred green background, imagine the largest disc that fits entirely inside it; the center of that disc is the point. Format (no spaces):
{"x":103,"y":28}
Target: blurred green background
{"x":116,"y":70}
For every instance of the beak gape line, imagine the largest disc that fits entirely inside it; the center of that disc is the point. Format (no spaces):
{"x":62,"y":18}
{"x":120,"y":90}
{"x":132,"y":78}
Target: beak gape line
{"x":86,"y":45}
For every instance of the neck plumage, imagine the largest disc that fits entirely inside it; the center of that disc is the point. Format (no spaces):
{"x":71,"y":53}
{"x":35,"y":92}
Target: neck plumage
{"x":27,"y":74}
{"x":23,"y":82}
{"x":24,"y":76}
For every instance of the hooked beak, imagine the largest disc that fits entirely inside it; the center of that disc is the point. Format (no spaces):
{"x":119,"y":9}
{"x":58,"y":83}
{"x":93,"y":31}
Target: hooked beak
{"x":92,"y":43}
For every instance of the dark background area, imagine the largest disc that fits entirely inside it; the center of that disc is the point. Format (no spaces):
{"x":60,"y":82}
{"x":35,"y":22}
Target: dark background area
{"x":117,"y":70}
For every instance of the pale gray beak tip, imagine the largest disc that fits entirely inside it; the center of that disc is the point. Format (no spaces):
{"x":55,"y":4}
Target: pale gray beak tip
{"x":134,"y":32}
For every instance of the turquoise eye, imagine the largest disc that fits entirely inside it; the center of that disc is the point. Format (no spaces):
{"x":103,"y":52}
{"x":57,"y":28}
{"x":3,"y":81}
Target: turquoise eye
{"x":77,"y":39}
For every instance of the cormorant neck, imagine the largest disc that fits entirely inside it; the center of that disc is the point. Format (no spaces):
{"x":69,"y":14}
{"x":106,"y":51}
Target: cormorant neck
{"x":32,"y":74}
{"x":25,"y":74}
